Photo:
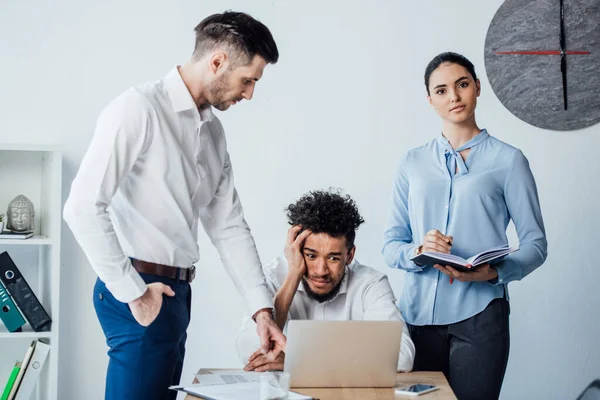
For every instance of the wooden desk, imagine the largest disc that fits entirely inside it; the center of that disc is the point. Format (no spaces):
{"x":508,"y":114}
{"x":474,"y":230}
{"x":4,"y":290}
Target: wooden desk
{"x":432,"y":378}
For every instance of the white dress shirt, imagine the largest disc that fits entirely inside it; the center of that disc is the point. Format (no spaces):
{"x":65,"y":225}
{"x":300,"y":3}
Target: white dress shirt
{"x":365,"y":294}
{"x":155,"y":166}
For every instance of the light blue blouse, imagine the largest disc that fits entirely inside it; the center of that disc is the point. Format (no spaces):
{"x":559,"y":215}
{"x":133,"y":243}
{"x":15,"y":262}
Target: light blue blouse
{"x":474,"y":205}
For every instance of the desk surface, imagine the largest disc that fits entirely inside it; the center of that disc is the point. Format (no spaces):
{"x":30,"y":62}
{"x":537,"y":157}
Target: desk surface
{"x":431,"y":378}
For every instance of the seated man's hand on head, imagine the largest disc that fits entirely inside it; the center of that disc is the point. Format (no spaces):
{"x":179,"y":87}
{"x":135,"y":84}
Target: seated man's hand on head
{"x":259,"y":362}
{"x":293,"y":251}
{"x":296,"y":271}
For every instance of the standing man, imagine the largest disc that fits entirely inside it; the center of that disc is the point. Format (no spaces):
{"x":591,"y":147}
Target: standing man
{"x":157,"y":164}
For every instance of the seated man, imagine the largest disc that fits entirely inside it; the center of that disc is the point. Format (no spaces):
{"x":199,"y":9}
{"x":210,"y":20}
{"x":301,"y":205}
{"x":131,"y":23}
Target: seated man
{"x":318,"y":279}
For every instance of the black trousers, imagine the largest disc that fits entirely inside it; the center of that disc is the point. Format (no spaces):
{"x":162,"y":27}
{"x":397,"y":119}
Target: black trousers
{"x":472,"y":353}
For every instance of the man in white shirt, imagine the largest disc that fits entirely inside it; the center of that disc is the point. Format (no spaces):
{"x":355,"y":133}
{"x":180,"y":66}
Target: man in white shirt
{"x":318,"y":279}
{"x":157,"y":164}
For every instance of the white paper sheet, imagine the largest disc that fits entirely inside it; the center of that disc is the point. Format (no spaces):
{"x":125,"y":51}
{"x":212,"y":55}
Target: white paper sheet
{"x":234,"y":391}
{"x":227,"y":376}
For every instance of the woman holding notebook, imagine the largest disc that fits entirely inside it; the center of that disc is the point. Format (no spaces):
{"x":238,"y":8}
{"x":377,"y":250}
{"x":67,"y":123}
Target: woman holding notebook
{"x":457,"y":194}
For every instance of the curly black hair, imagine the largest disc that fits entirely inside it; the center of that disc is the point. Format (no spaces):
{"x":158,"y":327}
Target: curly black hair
{"x":326,"y":212}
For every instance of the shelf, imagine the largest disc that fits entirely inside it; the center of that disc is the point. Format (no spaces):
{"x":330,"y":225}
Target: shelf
{"x":28,"y":147}
{"x":34,"y":240}
{"x":36,"y":172}
{"x":27,"y":333}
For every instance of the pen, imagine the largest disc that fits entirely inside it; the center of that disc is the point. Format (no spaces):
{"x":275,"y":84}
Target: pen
{"x":451,"y":278}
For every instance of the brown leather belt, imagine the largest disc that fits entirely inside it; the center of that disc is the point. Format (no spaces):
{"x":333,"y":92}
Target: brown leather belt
{"x":179,"y":274}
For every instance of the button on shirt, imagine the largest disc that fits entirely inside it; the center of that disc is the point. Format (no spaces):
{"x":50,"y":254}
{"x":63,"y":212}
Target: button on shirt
{"x":472,"y":201}
{"x":365,"y":294}
{"x":156,"y":165}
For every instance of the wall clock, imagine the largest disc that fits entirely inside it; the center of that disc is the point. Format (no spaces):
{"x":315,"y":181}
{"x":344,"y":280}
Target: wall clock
{"x":542,"y":58}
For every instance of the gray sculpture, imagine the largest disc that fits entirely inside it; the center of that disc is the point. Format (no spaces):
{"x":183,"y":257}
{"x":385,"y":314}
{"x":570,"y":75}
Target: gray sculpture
{"x":20,"y":214}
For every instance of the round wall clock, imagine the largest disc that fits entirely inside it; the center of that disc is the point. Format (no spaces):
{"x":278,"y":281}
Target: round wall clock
{"x":542,"y":58}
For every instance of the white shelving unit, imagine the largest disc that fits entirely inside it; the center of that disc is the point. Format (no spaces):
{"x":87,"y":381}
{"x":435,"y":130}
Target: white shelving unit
{"x":36,"y":172}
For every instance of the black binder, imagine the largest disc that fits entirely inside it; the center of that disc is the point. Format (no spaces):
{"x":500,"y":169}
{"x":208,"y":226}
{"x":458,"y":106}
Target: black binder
{"x":21,"y":292}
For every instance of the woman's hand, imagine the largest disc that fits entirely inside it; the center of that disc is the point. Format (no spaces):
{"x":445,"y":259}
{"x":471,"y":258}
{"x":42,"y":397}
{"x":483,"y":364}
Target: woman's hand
{"x":436,"y":242}
{"x":482,"y":274}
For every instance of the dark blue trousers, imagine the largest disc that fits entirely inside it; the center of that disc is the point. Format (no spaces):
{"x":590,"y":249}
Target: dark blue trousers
{"x":144,"y":361}
{"x":472,"y":353}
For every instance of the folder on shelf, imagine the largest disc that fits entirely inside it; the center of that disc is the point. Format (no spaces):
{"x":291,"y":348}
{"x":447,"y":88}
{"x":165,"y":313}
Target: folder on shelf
{"x":32,"y":373}
{"x":11,"y":381}
{"x":9,"y":313}
{"x":24,"y":364}
{"x":21,"y":292}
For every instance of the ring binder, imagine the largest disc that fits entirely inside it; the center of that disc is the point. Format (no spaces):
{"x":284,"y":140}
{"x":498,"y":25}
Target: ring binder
{"x":21,"y":292}
{"x":9,"y":313}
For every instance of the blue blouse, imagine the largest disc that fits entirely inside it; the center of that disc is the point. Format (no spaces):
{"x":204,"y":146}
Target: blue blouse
{"x":473,"y":201}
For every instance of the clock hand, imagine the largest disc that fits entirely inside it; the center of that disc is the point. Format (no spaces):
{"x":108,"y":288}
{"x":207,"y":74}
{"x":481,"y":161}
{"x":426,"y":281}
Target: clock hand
{"x":563,"y":69}
{"x":563,"y":55}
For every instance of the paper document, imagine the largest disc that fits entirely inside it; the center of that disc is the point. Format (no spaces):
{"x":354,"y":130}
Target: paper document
{"x":233,"y":391}
{"x":227,"y":377}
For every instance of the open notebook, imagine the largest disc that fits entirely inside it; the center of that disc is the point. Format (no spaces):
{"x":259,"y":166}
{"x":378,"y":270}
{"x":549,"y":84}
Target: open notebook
{"x":461,"y":264}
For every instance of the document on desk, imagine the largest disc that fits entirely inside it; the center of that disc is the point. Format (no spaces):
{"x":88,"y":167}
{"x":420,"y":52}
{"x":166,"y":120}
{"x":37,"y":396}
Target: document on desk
{"x":233,"y":391}
{"x":221,"y":377}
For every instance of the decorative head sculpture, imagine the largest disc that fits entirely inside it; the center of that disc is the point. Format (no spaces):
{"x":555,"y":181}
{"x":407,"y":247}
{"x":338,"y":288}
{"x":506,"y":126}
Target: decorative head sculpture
{"x":20,"y":214}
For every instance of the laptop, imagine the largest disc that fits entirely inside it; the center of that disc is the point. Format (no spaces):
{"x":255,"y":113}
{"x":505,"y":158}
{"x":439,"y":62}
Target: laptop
{"x":342,"y":353}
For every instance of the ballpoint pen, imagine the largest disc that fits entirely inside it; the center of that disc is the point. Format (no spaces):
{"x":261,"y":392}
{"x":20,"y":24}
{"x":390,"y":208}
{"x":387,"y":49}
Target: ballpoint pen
{"x":451,"y":278}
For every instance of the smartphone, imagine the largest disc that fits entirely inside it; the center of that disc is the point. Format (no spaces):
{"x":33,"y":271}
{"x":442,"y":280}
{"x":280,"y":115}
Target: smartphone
{"x":416,"y":390}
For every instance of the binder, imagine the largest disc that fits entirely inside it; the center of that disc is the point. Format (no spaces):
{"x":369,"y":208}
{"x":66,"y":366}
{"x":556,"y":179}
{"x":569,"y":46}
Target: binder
{"x":11,"y":381}
{"x":19,"y":289}
{"x":24,"y":365}
{"x":9,"y":313}
{"x":32,"y":373}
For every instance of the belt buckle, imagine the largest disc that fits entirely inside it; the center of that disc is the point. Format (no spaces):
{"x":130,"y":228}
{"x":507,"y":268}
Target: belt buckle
{"x":191,"y":273}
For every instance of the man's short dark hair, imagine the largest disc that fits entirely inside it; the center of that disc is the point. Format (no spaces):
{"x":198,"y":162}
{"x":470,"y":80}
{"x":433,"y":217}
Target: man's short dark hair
{"x":326,"y":212}
{"x":240,"y":32}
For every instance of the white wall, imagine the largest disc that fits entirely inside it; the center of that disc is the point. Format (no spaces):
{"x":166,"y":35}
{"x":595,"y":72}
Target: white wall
{"x":341,"y":106}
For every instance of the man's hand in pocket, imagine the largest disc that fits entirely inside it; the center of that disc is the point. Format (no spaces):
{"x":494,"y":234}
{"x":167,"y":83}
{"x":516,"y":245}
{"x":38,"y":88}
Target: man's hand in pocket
{"x":145,"y":309}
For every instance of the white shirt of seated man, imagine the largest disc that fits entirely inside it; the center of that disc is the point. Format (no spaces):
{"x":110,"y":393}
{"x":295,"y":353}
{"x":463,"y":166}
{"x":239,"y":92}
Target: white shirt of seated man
{"x":319,"y":280}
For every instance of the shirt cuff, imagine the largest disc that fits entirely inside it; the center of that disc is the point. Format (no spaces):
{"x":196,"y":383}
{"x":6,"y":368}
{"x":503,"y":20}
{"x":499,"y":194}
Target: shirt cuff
{"x":256,"y":299}
{"x":414,"y":267}
{"x":507,"y":269}
{"x":247,"y":341}
{"x":128,"y":288}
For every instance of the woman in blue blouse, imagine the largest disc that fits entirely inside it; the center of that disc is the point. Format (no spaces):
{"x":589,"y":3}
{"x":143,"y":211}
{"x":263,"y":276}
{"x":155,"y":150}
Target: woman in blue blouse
{"x":457,"y":194}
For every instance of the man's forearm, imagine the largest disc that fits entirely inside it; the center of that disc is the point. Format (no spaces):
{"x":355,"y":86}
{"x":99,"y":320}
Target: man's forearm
{"x":96,"y":236}
{"x":283,"y":299}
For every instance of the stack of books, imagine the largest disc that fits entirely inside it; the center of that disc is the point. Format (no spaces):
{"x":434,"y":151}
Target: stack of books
{"x":15,"y":235}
